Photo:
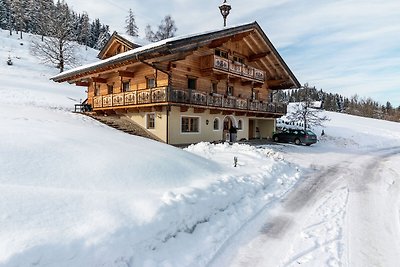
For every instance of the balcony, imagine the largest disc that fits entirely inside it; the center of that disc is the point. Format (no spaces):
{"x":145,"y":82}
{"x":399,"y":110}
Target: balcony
{"x":229,"y":66}
{"x":184,"y":96}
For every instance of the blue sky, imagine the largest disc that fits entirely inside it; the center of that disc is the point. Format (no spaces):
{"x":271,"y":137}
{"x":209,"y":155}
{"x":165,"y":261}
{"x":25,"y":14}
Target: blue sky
{"x":344,"y":46}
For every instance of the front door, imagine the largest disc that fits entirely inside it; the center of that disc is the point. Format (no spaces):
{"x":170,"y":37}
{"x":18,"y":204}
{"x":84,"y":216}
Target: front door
{"x":227,"y":125}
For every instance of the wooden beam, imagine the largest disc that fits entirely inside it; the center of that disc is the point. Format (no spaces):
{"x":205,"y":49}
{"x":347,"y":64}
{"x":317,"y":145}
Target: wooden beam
{"x":227,"y":112}
{"x":123,"y":73}
{"x":99,"y":80}
{"x":199,"y":110}
{"x":218,"y":42}
{"x":240,"y":36}
{"x":184,"y":109}
{"x":215,"y":111}
{"x":246,"y":83}
{"x":158,"y":108}
{"x":254,"y":57}
{"x":86,"y":84}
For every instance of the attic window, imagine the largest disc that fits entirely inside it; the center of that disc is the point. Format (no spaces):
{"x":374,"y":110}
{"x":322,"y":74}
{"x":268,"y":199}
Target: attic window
{"x":221,"y":53}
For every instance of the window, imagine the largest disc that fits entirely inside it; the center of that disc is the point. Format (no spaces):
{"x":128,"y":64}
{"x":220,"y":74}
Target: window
{"x":229,"y":91}
{"x":110,"y":89}
{"x":254,"y":95}
{"x":238,"y":59}
{"x":125,"y":86}
{"x":214,"y":88}
{"x":151,"y":121}
{"x":240,"y":125}
{"x":221,"y":53}
{"x":216,"y":124}
{"x":150,"y":82}
{"x":190,"y":125}
{"x":192,"y":83}
{"x":96,"y":89}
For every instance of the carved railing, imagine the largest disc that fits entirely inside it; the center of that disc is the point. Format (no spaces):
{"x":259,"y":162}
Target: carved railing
{"x":236,"y":68}
{"x":193,"y":97}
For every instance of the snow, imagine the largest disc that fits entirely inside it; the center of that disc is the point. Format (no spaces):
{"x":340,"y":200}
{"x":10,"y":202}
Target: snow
{"x":74,"y":192}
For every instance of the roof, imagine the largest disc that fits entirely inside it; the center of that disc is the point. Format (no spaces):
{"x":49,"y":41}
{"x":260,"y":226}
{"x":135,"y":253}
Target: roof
{"x":170,"y":46}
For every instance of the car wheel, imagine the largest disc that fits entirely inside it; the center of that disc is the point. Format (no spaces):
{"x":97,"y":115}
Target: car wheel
{"x":297,"y":141}
{"x":308,"y":144}
{"x":276,"y":139}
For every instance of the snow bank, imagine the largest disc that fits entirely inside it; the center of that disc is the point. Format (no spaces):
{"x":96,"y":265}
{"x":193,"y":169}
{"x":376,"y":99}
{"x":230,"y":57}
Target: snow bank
{"x":74,"y":192}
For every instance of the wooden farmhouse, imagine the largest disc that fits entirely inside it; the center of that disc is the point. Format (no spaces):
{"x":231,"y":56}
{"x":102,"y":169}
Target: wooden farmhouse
{"x":190,"y":88}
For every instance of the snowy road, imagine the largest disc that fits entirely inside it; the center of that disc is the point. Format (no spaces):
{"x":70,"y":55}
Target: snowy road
{"x":332,"y":217}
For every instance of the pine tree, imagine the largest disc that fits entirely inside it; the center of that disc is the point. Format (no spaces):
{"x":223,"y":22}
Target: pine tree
{"x":103,"y":38}
{"x":18,"y":8}
{"x":131,"y":28}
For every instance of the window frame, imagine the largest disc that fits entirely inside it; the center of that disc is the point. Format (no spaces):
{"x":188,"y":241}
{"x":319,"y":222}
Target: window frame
{"x":221,"y":53}
{"x":97,"y":89}
{"x":216,"y":119}
{"x":123,"y":86}
{"x":240,"y":125}
{"x":194,"y":79}
{"x":110,"y":89}
{"x":148,"y":85}
{"x":151,"y":119}
{"x":197,"y":118}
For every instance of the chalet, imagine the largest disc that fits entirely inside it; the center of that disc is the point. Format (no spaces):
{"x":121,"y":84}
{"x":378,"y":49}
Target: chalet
{"x":190,"y":88}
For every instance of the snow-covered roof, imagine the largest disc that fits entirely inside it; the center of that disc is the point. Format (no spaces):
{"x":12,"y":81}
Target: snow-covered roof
{"x":134,"y":40}
{"x":141,"y":50}
{"x":166,"y":46}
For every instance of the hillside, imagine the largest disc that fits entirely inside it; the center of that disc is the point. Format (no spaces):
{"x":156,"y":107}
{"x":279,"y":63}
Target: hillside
{"x":74,"y":192}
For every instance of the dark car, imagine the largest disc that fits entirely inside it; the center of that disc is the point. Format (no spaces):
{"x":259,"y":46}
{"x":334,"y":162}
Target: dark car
{"x":296,"y":136}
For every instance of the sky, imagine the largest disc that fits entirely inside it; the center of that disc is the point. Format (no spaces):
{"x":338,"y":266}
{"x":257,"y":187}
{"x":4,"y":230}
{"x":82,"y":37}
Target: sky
{"x":341,"y":46}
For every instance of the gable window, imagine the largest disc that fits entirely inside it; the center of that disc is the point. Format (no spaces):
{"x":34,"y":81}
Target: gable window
{"x":189,"y":124}
{"x":216,"y":124}
{"x":150,"y":82}
{"x":110,"y":89}
{"x":221,"y":53}
{"x":151,"y":121}
{"x":125,"y":86}
{"x":192,"y":83}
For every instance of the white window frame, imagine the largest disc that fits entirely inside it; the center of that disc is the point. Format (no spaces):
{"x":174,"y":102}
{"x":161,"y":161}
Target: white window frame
{"x":188,"y":116}
{"x":147,"y":121}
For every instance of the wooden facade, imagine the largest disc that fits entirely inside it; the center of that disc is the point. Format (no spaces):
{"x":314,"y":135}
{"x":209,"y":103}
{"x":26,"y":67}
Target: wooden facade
{"x":232,"y":72}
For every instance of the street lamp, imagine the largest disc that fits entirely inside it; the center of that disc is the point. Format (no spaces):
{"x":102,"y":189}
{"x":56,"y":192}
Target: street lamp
{"x":225,"y":8}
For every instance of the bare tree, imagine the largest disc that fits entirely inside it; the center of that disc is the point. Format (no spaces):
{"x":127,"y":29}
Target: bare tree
{"x":59,"y":49}
{"x":306,"y":113}
{"x":165,"y":30}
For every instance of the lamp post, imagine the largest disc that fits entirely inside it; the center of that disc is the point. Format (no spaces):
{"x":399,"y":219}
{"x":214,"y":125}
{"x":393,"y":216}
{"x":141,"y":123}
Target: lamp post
{"x":225,"y":8}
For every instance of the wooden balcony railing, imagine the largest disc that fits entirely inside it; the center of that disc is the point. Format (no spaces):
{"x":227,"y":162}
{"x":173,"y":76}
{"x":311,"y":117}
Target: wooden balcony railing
{"x":233,"y":67}
{"x":194,"y":97}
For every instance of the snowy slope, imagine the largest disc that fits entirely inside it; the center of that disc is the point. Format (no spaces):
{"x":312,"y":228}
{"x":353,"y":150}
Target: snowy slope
{"x":74,"y":192}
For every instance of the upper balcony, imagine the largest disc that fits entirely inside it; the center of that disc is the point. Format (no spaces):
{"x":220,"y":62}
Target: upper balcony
{"x":196,"y":98}
{"x":220,"y":64}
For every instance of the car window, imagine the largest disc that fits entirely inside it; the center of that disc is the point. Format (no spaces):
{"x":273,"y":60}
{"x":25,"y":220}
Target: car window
{"x":310,"y":132}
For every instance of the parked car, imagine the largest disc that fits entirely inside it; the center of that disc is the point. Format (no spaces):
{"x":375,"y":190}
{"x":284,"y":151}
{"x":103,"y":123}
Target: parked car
{"x":295,"y":136}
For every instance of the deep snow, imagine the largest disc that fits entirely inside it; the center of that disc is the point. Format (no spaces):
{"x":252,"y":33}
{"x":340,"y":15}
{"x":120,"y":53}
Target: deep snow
{"x":74,"y":192}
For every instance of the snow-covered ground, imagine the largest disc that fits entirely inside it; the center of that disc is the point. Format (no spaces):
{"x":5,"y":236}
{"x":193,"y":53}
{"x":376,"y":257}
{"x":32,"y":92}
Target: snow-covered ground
{"x":74,"y":192}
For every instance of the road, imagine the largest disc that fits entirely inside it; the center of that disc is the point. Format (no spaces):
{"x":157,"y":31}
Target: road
{"x":343,"y":212}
